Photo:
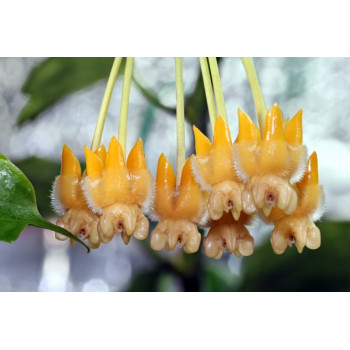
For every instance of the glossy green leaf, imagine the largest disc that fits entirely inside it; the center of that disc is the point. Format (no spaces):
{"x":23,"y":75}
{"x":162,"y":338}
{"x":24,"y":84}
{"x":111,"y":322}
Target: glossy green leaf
{"x":41,"y":173}
{"x":57,"y":77}
{"x":18,"y":205}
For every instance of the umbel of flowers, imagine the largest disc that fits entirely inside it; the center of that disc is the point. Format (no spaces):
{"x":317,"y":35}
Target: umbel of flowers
{"x":109,"y":199}
{"x":265,"y":172}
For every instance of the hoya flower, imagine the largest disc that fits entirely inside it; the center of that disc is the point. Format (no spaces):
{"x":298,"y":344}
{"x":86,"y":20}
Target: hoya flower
{"x":230,"y":235}
{"x":270,"y":164}
{"x":213,"y":167}
{"x":299,"y":227}
{"x":178,"y":210}
{"x":68,"y":201}
{"x":118,"y":192}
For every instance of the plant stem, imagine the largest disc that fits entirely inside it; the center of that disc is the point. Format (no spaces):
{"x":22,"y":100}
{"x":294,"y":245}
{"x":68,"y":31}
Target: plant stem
{"x":259,"y":102}
{"x":123,"y":119}
{"x":96,"y":141}
{"x":219,"y":96}
{"x":208,"y":88}
{"x":180,"y":119}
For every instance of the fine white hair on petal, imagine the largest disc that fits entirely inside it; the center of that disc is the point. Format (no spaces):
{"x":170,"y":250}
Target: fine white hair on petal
{"x":321,"y":209}
{"x":153,"y":216}
{"x":56,"y":203}
{"x":84,"y":184}
{"x":203,"y":220}
{"x":300,"y":171}
{"x":150,"y":210}
{"x":147,"y":205}
{"x":238,"y":167}
{"x":197,"y":177}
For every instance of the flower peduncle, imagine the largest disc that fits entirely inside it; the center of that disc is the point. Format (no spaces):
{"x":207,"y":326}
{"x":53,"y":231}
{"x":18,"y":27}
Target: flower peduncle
{"x":219,"y":96}
{"x":105,"y":104}
{"x":123,"y":118}
{"x":259,"y":102}
{"x":209,"y":94}
{"x":180,"y":119}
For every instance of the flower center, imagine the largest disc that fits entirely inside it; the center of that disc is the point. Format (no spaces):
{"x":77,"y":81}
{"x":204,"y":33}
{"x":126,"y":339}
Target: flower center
{"x":270,"y":198}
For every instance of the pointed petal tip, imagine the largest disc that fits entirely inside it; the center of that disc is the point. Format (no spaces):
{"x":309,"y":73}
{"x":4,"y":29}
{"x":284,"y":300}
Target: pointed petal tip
{"x":312,"y":168}
{"x":101,"y":153}
{"x":94,"y":165}
{"x":186,"y":176}
{"x":202,"y":143}
{"x":115,"y":155}
{"x":311,"y":174}
{"x":69,"y":163}
{"x":165,"y":172}
{"x":294,"y":129}
{"x":248,"y":131}
{"x":222,"y":135}
{"x":274,"y":124}
{"x":136,"y":159}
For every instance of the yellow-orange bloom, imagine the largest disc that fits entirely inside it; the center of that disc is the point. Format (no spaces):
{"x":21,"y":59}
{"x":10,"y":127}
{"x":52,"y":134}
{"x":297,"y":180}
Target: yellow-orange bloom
{"x":117,"y":191}
{"x":271,"y":164}
{"x":298,"y":227}
{"x":230,"y":235}
{"x":213,"y":167}
{"x":178,"y":210}
{"x":68,"y":201}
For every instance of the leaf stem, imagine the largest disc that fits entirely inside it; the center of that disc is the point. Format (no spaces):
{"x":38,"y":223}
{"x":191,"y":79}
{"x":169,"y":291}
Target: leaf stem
{"x":259,"y":102}
{"x":208,"y":88}
{"x":96,"y":141}
{"x":180,"y":119}
{"x":219,"y":96}
{"x":41,"y":222}
{"x":123,"y":119}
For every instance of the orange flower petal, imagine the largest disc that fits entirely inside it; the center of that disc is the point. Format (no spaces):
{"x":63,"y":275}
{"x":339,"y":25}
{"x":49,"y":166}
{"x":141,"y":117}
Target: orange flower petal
{"x":189,"y":200}
{"x":115,"y":156}
{"x":70,"y":165}
{"x":94,"y":166}
{"x":203,"y":144}
{"x":101,"y":153}
{"x":222,"y":136}
{"x":273,"y":157}
{"x":165,"y":188}
{"x":136,"y":159}
{"x":294,"y":130}
{"x":248,"y":131}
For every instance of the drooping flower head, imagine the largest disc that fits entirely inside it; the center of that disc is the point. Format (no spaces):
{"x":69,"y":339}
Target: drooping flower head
{"x":68,"y":201}
{"x":178,"y":210}
{"x":213,"y":166}
{"x":227,"y":234}
{"x":214,"y":171}
{"x":271,"y":163}
{"x":299,"y":227}
{"x":117,"y":191}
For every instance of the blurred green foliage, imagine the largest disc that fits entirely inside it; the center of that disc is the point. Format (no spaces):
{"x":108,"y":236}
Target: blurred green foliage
{"x":57,"y":77}
{"x":324,"y":269}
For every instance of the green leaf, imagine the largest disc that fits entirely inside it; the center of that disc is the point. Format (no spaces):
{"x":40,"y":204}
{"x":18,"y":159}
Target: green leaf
{"x":41,"y":173}
{"x":18,"y":205}
{"x":151,"y":98}
{"x":57,"y":77}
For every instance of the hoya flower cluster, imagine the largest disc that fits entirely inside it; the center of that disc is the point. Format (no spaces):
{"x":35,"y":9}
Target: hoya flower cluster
{"x":222,"y":187}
